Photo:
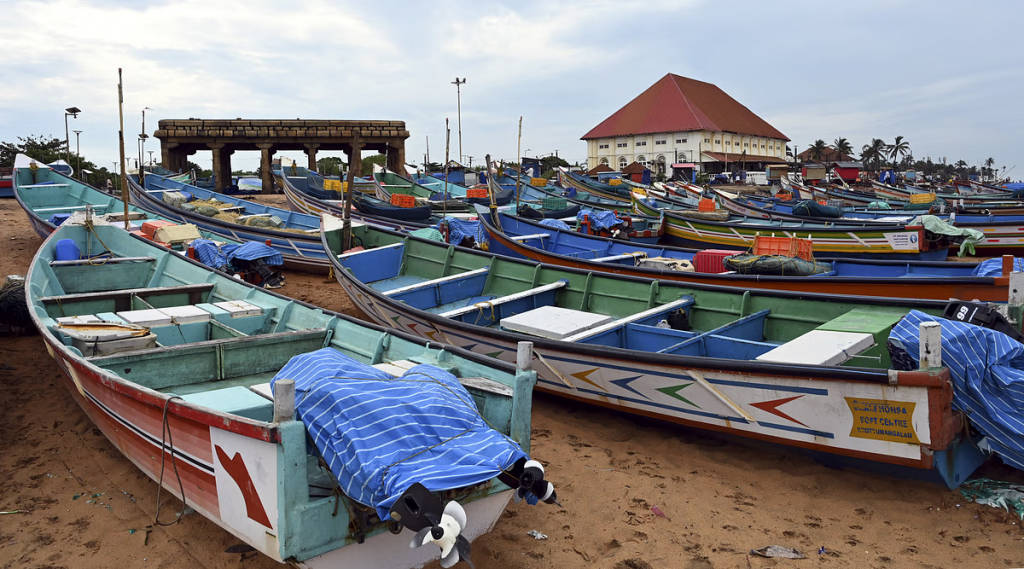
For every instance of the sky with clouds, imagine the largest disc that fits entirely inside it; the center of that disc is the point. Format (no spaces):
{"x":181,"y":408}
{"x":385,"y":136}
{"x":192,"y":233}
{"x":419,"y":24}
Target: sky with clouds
{"x":945,"y":75}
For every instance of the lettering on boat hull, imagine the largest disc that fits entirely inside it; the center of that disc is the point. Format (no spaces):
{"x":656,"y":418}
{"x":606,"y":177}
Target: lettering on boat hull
{"x":883,"y":420}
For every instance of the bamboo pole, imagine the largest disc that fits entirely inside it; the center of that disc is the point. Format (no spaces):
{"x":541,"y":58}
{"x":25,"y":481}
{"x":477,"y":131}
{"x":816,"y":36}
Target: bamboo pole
{"x":354,"y":161}
{"x":120,"y":134}
{"x":519,"y":160}
{"x":490,"y":192}
{"x":444,"y":196}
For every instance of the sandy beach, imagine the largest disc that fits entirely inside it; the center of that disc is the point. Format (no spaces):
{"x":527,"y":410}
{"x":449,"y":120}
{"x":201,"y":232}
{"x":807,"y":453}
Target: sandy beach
{"x":635,"y":494}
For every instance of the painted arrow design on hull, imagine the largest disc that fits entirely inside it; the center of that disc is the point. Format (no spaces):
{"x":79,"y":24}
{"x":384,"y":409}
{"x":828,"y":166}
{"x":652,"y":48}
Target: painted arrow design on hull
{"x":772,"y":407}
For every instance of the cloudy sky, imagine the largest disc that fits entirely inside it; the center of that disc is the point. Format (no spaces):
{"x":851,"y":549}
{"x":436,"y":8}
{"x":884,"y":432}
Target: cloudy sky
{"x":945,"y":75}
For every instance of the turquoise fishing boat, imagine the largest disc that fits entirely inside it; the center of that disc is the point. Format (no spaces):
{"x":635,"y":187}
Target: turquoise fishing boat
{"x":313,"y":437}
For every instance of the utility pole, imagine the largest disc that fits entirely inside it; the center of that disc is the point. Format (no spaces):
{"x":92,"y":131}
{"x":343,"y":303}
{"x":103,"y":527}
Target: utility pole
{"x":78,"y":153}
{"x":72,"y":112}
{"x":458,"y":93}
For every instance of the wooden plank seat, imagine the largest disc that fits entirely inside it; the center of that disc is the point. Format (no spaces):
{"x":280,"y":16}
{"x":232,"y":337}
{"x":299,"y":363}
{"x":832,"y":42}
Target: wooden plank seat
{"x":102,"y":261}
{"x":196,"y":293}
{"x":434,"y":282}
{"x":212,"y":360}
{"x":490,"y":304}
{"x":532,"y":236}
{"x":622,"y":322}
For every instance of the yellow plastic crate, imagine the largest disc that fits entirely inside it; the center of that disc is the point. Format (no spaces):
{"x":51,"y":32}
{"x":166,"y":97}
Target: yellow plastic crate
{"x":614,"y":182}
{"x":538,"y":181}
{"x":922,"y":198}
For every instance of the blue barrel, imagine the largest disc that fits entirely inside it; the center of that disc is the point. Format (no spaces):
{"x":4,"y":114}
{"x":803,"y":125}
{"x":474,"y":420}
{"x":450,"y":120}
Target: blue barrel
{"x":67,"y":250}
{"x":188,"y":196}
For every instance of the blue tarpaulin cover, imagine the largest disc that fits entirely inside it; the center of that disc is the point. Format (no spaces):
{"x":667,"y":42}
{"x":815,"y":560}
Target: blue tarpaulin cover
{"x":599,"y":220}
{"x":994,"y":267}
{"x":251,"y":250}
{"x":379,"y":434}
{"x":209,"y":254}
{"x":459,"y":229}
{"x":556,"y":223}
{"x":988,"y":378}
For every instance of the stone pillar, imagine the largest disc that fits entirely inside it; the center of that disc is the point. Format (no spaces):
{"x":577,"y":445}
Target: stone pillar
{"x":311,"y":153}
{"x":166,"y":156}
{"x":225,"y":164}
{"x":266,"y":174}
{"x":218,"y":165}
{"x":396,"y":157}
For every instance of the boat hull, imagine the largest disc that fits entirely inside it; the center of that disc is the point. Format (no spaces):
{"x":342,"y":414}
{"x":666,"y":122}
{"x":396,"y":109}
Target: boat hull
{"x":820,"y":415}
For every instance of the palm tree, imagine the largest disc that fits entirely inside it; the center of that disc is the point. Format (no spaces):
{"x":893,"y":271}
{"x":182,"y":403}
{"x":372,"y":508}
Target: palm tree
{"x":988,"y":167}
{"x":874,"y":152}
{"x":898,"y":149}
{"x":818,"y":150}
{"x":843,"y":147}
{"x":960,"y":167}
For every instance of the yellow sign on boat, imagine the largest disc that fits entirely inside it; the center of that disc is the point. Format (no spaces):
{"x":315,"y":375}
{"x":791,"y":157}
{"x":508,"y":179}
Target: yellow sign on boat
{"x":883,"y":420}
{"x":334,"y":185}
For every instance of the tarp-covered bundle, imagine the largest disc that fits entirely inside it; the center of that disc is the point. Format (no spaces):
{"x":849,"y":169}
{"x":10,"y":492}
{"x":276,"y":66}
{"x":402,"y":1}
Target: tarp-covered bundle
{"x":994,"y":267}
{"x":460,"y":229}
{"x":379,"y":434}
{"x":251,"y":251}
{"x":933,"y":224}
{"x":988,"y":377}
{"x":428,"y":233}
{"x":599,"y":220}
{"x":811,"y":208}
{"x":209,"y":254}
{"x":747,"y":264}
{"x":556,"y":223}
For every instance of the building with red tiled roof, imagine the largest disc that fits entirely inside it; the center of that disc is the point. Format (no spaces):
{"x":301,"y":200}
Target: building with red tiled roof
{"x":684,"y":120}
{"x":599,"y":169}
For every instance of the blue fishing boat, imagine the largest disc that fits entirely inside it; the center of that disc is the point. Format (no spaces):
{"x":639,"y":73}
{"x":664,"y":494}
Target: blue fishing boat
{"x":294,"y":235}
{"x":938,"y":280}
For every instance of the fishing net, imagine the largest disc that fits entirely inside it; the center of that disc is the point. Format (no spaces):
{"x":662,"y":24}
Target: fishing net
{"x":748,"y":264}
{"x":14,"y":314}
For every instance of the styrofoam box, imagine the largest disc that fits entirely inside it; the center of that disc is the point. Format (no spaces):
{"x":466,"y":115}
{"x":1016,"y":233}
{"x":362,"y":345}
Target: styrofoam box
{"x":820,"y":347}
{"x":553,"y":322}
{"x":83,"y":319}
{"x":186,"y":314}
{"x":148,"y":317}
{"x":239,"y":308}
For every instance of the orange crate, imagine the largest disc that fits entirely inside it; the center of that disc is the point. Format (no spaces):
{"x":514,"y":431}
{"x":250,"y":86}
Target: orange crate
{"x":402,"y":200}
{"x":787,"y":246}
{"x":706,"y":204}
{"x":784,"y":196}
{"x":476,"y":193}
{"x":822,"y":202}
{"x":150,"y":227}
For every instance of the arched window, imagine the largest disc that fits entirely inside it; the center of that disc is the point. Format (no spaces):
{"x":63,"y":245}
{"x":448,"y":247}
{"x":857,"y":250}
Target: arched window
{"x":604,"y":161}
{"x":641,"y":160}
{"x":622,"y":162}
{"x":659,"y":164}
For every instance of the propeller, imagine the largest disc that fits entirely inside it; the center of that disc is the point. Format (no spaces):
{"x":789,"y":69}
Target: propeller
{"x":527,"y":477}
{"x":420,"y":510}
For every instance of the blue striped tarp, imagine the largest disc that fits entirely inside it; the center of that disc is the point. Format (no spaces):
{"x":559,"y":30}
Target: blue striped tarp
{"x":380,"y":434}
{"x":988,"y":378}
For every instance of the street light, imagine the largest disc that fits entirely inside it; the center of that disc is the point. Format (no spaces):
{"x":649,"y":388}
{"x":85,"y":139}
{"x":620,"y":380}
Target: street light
{"x":70,"y":111}
{"x":142,"y":165}
{"x":458,"y":93}
{"x":78,"y":153}
{"x":150,"y":158}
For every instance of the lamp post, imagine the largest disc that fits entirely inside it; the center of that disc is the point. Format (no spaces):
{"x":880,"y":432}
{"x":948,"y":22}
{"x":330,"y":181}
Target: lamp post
{"x":78,"y":153}
{"x":458,"y":93}
{"x":142,"y":165}
{"x":73,"y":112}
{"x":150,"y":158}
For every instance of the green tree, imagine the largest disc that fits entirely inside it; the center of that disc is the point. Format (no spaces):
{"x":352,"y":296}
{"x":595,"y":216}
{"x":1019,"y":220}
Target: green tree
{"x":897,"y":150}
{"x":989,"y":162}
{"x":40,"y":148}
{"x":818,"y":150}
{"x":330,"y":165}
{"x":873,"y":153}
{"x":843,"y":147}
{"x":367,"y":164}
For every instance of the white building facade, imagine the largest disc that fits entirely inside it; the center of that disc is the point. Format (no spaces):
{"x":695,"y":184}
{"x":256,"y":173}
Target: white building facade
{"x":659,"y":150}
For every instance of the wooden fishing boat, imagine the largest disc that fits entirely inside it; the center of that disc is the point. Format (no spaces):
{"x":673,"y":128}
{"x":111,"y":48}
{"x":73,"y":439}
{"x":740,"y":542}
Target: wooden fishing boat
{"x":570,"y":180}
{"x":299,"y":246}
{"x":49,"y":197}
{"x":6,"y":185}
{"x":937,"y":280}
{"x":536,"y":194}
{"x":183,"y":393}
{"x":766,"y":365}
{"x":873,"y":241}
{"x":996,"y":200}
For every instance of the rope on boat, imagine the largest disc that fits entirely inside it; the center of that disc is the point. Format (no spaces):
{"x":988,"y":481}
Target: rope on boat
{"x":166,"y":436}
